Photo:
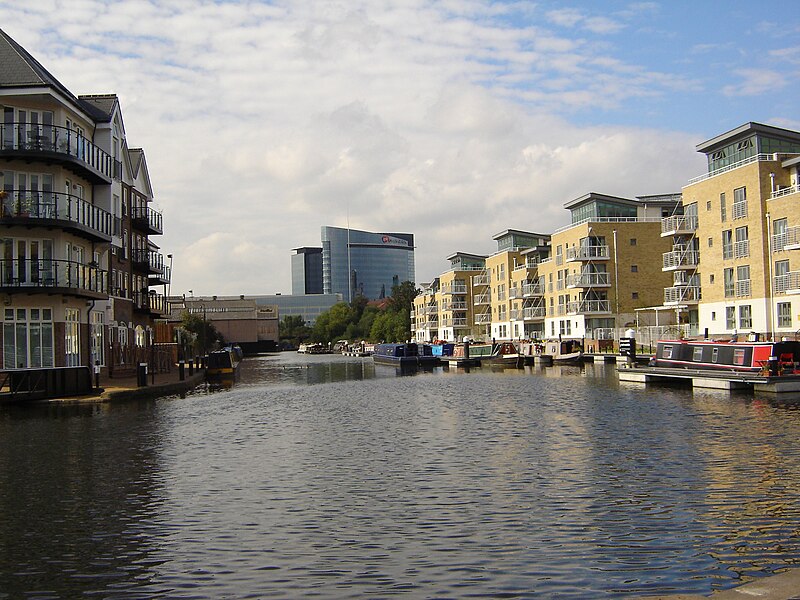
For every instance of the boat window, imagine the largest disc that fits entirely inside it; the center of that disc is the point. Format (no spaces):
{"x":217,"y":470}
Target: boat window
{"x":667,"y":351}
{"x":714,"y":355}
{"x":697,"y":354}
{"x":738,"y":356}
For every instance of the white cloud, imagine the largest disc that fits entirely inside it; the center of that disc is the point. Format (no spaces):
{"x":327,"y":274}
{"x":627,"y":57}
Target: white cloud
{"x":262,"y":123}
{"x":756,"y":82}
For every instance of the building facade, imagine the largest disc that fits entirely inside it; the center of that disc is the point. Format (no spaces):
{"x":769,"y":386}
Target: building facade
{"x":362,"y":263}
{"x":307,"y":271}
{"x":78,"y":263}
{"x":739,"y":266}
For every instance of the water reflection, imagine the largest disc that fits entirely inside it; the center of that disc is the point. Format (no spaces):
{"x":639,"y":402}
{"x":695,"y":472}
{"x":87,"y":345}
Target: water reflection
{"x":330,"y":476}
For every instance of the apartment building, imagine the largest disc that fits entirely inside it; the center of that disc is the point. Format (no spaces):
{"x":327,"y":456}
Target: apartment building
{"x":457,"y":308}
{"x":604,"y":266}
{"x":740,"y":239}
{"x":507,"y":297}
{"x":78,"y":262}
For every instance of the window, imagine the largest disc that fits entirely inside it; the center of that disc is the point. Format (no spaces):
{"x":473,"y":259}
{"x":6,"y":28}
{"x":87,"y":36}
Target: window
{"x":780,"y":232}
{"x":740,"y":203}
{"x":633,"y":241}
{"x":743,"y":281}
{"x":27,"y":338}
{"x":782,"y":279}
{"x":711,"y":278}
{"x":634,"y":268}
{"x":729,"y":282}
{"x":72,"y":342}
{"x":730,"y":317}
{"x":708,"y":205}
{"x":97,"y":337}
{"x":741,"y":248}
{"x":738,"y":356}
{"x":667,"y":352}
{"x":784,"y":314}
{"x":745,"y":317}
{"x":722,"y":210}
{"x":714,"y":355}
{"x":713,"y":315}
{"x":727,"y":243}
{"x":634,"y":295}
{"x":697,"y":354}
{"x":565,"y":327}
{"x":710,"y":242}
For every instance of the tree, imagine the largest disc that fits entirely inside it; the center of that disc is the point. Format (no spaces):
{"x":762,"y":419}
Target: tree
{"x":205,"y":334}
{"x":293,"y":331}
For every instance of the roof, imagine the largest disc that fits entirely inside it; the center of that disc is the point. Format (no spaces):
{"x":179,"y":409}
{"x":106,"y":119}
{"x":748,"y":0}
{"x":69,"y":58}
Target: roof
{"x":100,"y":106}
{"x":519,"y":232}
{"x":744,"y":131}
{"x":595,"y":196}
{"x":467,"y":255}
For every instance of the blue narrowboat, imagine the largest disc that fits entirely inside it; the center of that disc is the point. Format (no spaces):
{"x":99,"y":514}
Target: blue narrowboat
{"x":407,"y":354}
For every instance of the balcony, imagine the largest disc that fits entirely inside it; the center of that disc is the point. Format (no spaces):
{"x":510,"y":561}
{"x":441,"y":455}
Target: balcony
{"x":147,"y":260}
{"x":162,"y":278}
{"x":741,"y":249}
{"x":742,"y":288}
{"x":66,"y":277}
{"x":483,"y":319}
{"x":52,"y":144}
{"x":534,"y":313}
{"x":532,"y":289}
{"x":678,"y":225}
{"x":147,"y":220}
{"x":789,"y":283}
{"x":739,"y":210}
{"x":455,"y":288}
{"x":485,"y":298}
{"x":588,"y":280}
{"x":587,"y":253}
{"x":785,"y":191}
{"x":786,"y":240}
{"x":150,"y":302}
{"x":589,"y":307}
{"x":681,"y":295}
{"x":56,"y":210}
{"x":481,"y":279}
{"x":680,"y":258}
{"x":515,"y":293}
{"x":460,"y":322}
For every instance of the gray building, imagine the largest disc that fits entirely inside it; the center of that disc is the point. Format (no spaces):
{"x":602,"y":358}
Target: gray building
{"x":306,"y":271}
{"x":365,"y":263}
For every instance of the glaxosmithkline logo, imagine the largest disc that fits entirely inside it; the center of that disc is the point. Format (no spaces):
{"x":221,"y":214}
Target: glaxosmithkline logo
{"x":387,"y":239}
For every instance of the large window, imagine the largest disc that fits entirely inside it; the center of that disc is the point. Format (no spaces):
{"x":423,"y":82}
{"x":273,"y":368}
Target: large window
{"x":730,"y":317}
{"x":745,"y":317}
{"x":27,"y":338}
{"x":727,"y":244}
{"x":72,"y":340}
{"x":98,"y":338}
{"x":784,"y":314}
{"x":729,"y":282}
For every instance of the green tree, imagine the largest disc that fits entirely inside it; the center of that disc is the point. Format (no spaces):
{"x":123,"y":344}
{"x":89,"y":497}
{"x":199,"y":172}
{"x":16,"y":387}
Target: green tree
{"x":206,"y":335}
{"x":293,"y":331}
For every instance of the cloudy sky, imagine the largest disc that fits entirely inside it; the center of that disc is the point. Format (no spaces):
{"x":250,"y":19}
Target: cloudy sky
{"x":454,"y":120}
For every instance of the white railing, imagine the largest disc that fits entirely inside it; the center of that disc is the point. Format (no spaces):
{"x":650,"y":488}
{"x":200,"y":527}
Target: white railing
{"x":739,"y":210}
{"x":459,"y":322}
{"x":584,"y":280}
{"x":588,"y":252}
{"x":680,"y":258}
{"x":589,"y":306}
{"x":485,"y":298}
{"x":532,"y":289}
{"x":483,"y":318}
{"x":741,"y":249}
{"x":785,"y":191}
{"x":680,"y":294}
{"x":731,"y":167}
{"x":790,"y":237}
{"x":482,"y":279}
{"x":609,"y":220}
{"x":674,"y":224}
{"x":515,"y":292}
{"x":455,"y":288}
{"x":534,"y":312}
{"x":742,"y":288}
{"x":789,"y":282}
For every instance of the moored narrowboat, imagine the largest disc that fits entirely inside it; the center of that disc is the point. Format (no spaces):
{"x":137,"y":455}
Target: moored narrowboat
{"x":771,"y":358}
{"x":223,"y":365}
{"x":405,"y":354}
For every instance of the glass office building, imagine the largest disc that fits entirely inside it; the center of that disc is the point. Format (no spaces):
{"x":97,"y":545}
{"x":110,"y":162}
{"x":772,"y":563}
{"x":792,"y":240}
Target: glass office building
{"x":364,"y":263}
{"x":307,"y":271}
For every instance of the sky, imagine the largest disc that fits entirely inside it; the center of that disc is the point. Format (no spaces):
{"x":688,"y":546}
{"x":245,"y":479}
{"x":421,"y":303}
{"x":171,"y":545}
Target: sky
{"x":454,"y":120}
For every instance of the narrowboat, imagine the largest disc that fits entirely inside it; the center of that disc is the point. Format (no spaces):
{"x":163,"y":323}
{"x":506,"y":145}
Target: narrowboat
{"x":223,"y":365}
{"x":562,"y":352}
{"x":504,"y":353}
{"x":406,"y":354}
{"x":765,"y":358}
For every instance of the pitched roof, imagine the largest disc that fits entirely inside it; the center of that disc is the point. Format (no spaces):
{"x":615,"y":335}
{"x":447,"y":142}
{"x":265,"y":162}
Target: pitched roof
{"x":19,"y":69}
{"x":99,"y":106}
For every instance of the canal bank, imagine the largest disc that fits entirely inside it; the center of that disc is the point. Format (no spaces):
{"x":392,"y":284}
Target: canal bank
{"x":128,"y":388}
{"x":784,"y":586}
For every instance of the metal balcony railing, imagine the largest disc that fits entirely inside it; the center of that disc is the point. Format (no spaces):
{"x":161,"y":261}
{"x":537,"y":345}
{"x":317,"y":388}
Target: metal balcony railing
{"x":56,"y":206}
{"x":481,"y":279}
{"x":785,"y":191}
{"x":742,"y":288}
{"x":52,"y":273}
{"x":678,"y":224}
{"x":589,"y":307}
{"x":741,"y":249}
{"x":147,"y":217}
{"x":588,"y":253}
{"x":682,"y":294}
{"x":788,"y":283}
{"x":588,"y":280}
{"x":680,"y":259}
{"x":55,"y":140}
{"x":485,"y":298}
{"x":455,"y":288}
{"x":789,"y":238}
{"x":483,"y":318}
{"x":739,"y":210}
{"x":532,"y":289}
{"x":533,"y":312}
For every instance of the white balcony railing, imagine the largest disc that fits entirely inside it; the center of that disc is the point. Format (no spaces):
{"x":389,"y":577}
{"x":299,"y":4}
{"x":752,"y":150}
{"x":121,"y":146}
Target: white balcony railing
{"x":588,"y":280}
{"x":483,"y":319}
{"x":739,"y":210}
{"x":742,"y":288}
{"x":785,"y":191}
{"x":481,"y":279}
{"x":485,"y":298}
{"x":788,"y":283}
{"x":534,"y":312}
{"x":680,"y":259}
{"x":589,"y":307}
{"x":586,"y":253}
{"x":741,"y":249}
{"x":678,"y":224}
{"x":682,"y":295}
{"x":532,"y":289}
{"x":786,"y":240}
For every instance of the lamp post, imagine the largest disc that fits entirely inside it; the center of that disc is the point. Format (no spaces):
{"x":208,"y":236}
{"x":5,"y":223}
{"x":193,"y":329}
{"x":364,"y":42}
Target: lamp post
{"x":203,"y":330}
{"x":169,"y":275}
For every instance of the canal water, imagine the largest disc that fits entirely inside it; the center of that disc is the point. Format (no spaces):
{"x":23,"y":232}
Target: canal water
{"x":331,"y":477}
